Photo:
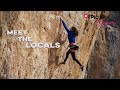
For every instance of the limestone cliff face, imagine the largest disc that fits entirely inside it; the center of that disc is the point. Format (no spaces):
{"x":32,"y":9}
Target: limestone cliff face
{"x":104,"y":62}
{"x":17,"y":62}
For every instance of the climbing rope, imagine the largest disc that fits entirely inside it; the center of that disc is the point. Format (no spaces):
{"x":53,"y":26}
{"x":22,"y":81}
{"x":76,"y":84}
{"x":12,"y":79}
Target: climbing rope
{"x":59,"y":34}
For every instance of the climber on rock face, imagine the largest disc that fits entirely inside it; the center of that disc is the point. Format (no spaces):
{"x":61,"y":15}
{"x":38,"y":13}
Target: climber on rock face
{"x":72,"y":33}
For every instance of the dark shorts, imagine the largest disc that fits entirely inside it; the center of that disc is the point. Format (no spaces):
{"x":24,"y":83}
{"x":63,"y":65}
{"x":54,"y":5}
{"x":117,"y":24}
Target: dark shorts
{"x":75,"y":47}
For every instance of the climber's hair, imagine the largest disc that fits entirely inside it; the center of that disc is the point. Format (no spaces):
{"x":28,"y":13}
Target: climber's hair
{"x":75,"y":30}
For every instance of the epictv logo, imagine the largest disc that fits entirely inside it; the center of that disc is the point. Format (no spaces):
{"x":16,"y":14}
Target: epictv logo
{"x":91,"y":16}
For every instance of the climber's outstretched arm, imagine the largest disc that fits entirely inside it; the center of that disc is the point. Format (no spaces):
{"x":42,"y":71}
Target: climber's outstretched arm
{"x":65,"y":26}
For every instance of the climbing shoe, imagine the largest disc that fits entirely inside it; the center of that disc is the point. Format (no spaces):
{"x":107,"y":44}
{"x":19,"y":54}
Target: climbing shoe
{"x":82,"y":67}
{"x":62,"y":63}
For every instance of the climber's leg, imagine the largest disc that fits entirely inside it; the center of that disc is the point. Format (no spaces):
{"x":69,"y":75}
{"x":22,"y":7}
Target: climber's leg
{"x":67,"y":54}
{"x":74,"y":58}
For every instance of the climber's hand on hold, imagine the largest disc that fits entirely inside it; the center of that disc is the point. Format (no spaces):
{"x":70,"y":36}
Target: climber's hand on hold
{"x":60,"y":19}
{"x":60,"y":22}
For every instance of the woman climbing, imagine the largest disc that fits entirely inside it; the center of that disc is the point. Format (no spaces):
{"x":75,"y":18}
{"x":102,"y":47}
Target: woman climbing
{"x":72,"y":33}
